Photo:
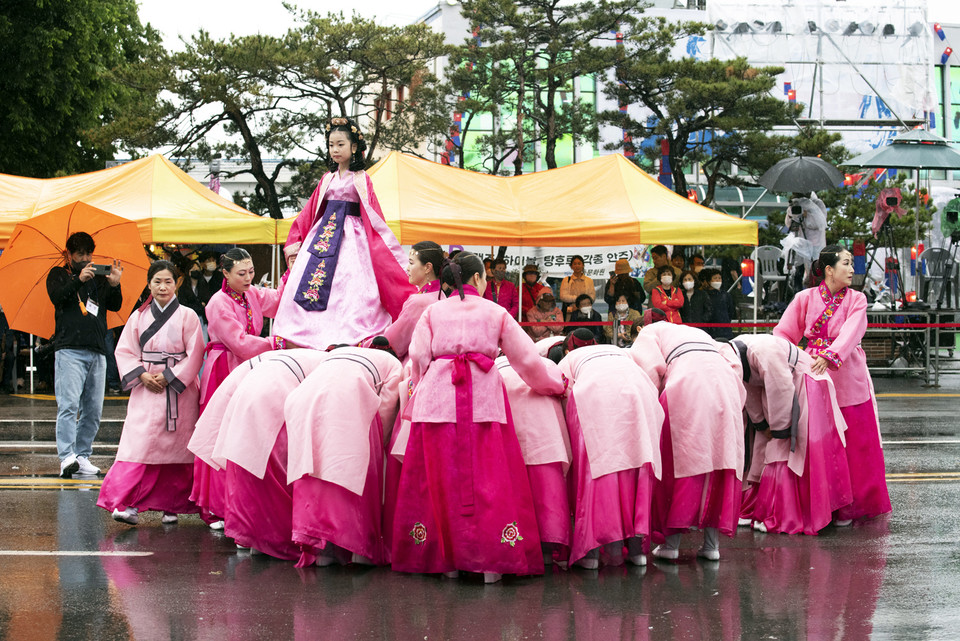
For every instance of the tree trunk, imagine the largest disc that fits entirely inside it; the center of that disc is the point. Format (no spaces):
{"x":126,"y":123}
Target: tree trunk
{"x":550,"y":155}
{"x":268,"y":186}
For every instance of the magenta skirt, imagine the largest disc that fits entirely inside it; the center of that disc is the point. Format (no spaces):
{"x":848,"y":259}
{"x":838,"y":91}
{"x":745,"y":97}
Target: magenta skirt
{"x":161,"y":487}
{"x":614,"y":507}
{"x":258,"y":511}
{"x":325,"y":513}
{"x":391,"y":485}
{"x":701,"y":501}
{"x":464,"y":502}
{"x":792,"y":504}
{"x":748,"y":502}
{"x":548,"y":485}
{"x":865,"y":460}
{"x":209,"y":484}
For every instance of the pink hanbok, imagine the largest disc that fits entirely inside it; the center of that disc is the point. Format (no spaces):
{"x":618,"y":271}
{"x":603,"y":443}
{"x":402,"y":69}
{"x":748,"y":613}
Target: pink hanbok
{"x":339,"y":419}
{"x":545,"y":446}
{"x":348,"y":282}
{"x":234,"y":322}
{"x":615,"y":420}
{"x":464,"y":501}
{"x":798,"y":474}
{"x":833,"y":325}
{"x":701,"y":445}
{"x":154,"y":468}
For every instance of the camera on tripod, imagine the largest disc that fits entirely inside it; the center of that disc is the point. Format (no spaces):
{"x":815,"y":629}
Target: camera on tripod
{"x":796,"y":220}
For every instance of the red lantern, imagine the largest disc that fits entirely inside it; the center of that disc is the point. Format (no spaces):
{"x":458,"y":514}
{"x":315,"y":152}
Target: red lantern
{"x":911,"y":297}
{"x":747,"y":267}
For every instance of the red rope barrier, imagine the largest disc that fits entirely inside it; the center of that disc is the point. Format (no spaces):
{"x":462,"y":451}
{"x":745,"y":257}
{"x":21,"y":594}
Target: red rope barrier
{"x":745,"y":325}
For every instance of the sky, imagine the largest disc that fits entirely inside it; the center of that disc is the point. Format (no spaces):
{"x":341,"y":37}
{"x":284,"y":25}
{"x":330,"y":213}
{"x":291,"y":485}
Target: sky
{"x":174,"y":18}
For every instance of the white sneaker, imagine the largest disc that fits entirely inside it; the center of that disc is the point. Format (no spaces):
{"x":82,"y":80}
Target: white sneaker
{"x":843,"y":523}
{"x":588,"y":564}
{"x":69,"y":466}
{"x":216,"y":526}
{"x":128,"y":516}
{"x":638,"y":559}
{"x":86,"y":467}
{"x":359,"y":559}
{"x":759,"y":526}
{"x":709,"y":555}
{"x":663,"y":552}
{"x":325,"y":561}
{"x":169,"y":519}
{"x":744,"y":522}
{"x":452,"y":574}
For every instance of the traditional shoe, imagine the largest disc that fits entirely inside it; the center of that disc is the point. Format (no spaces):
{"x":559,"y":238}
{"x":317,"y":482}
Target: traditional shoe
{"x":759,"y":526}
{"x":588,"y":564}
{"x":325,"y":561}
{"x":744,"y":523}
{"x":69,"y":466}
{"x":359,"y":559}
{"x":843,"y":522}
{"x":491,"y":577}
{"x":663,"y":552}
{"x":242,"y":548}
{"x":169,"y":518}
{"x":637,"y":559}
{"x":217,"y":526}
{"x":453,"y":574}
{"x":86,"y":467}
{"x":128,"y":516}
{"x":709,"y":554}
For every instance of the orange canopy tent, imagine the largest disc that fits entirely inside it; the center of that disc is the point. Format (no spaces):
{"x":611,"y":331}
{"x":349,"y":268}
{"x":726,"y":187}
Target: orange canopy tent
{"x":167,"y":204}
{"x":606,"y":201}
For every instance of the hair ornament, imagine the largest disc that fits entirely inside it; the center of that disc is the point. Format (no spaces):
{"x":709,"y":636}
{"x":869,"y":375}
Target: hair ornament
{"x":336,"y":122}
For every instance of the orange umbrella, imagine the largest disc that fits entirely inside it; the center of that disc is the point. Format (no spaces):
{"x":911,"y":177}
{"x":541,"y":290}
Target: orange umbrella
{"x":38,"y":244}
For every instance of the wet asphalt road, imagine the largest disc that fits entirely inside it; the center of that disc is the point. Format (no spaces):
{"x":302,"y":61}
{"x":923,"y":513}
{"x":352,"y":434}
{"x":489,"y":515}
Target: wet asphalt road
{"x":68,"y":571}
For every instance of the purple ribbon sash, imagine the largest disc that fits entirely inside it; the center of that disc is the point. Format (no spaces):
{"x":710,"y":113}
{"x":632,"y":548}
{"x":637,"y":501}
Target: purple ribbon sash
{"x":313,"y":290}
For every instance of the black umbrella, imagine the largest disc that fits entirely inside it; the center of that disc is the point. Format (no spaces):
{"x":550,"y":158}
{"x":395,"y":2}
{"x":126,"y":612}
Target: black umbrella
{"x":801,"y":174}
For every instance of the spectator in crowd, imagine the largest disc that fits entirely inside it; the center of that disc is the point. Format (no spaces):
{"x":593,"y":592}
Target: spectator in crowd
{"x":189,"y":291}
{"x":677,"y":260}
{"x":487,"y":267}
{"x":722,"y":309}
{"x":8,"y":375}
{"x":531,"y":288}
{"x":573,"y":286}
{"x":502,"y":291}
{"x":696,"y":302}
{"x":81,"y":300}
{"x":696,"y":263}
{"x":621,"y":283}
{"x":626,"y":322}
{"x":545,"y":310}
{"x":211,"y":280}
{"x":584,"y":314}
{"x":666,"y":295}
{"x":652,"y":277}
{"x":113,"y":374}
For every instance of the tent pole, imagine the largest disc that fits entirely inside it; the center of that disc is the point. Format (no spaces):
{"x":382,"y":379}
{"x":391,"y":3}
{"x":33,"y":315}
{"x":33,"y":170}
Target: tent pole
{"x":764,"y":193}
{"x":32,"y":368}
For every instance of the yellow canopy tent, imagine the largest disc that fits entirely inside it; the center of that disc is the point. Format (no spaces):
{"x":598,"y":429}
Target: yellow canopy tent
{"x":606,"y":201}
{"x":168,"y":205}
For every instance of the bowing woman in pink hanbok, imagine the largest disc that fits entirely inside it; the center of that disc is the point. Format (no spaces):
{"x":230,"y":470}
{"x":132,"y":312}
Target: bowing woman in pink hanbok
{"x":833,"y":318}
{"x":798,"y":474}
{"x":234,"y":321}
{"x":348,"y":282}
{"x":159,"y":356}
{"x":701,"y":445}
{"x":338,"y":419}
{"x":464,"y":501}
{"x":614,"y":419}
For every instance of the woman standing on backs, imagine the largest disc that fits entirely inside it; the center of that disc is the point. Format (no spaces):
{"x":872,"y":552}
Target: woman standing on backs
{"x":159,"y":356}
{"x":464,"y":501}
{"x":348,"y":282}
{"x":833,"y":319}
{"x":235,"y":319}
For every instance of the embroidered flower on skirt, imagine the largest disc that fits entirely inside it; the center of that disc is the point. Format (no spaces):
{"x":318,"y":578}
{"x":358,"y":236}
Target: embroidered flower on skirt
{"x":419,"y":533}
{"x":326,"y":235}
{"x":316,"y":281}
{"x":510,"y":534}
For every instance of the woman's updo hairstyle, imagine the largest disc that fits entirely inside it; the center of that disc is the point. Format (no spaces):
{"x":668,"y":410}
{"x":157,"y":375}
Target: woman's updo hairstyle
{"x":232,"y":257}
{"x":829,"y":257}
{"x":430,"y":252}
{"x":158,"y":266}
{"x":358,"y":162}
{"x":460,"y":270}
{"x":580,"y":337}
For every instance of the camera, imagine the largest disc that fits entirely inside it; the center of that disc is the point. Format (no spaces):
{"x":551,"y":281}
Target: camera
{"x":892,"y":201}
{"x":796,"y":210}
{"x":101,"y":270}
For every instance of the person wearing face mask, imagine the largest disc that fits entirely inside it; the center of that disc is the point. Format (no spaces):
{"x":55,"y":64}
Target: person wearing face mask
{"x":208,"y":277}
{"x":81,"y":301}
{"x":584,"y":314}
{"x":722,"y":308}
{"x":621,"y":283}
{"x":502,"y":291}
{"x":626,"y":323}
{"x":188,"y":292}
{"x":666,"y":296}
{"x":546,"y":310}
{"x":696,"y":302}
{"x":660,"y":257}
{"x":574,"y":285}
{"x":531,"y":288}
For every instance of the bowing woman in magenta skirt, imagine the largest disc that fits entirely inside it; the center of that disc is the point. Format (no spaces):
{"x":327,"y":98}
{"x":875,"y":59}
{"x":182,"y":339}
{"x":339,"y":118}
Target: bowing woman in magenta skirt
{"x":833,"y":318}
